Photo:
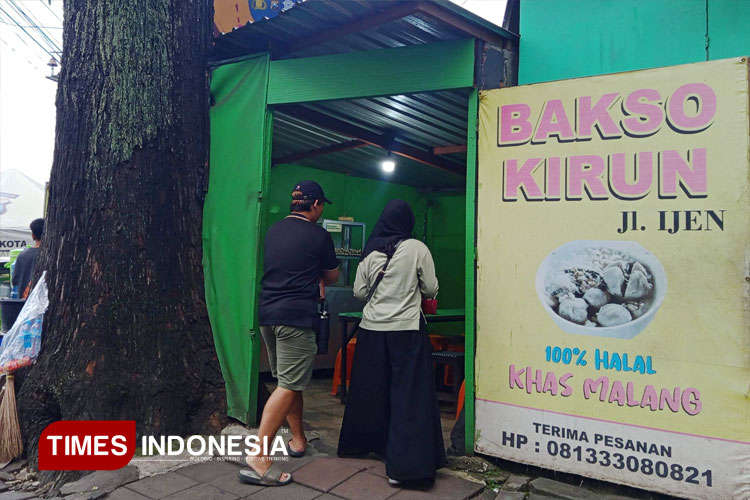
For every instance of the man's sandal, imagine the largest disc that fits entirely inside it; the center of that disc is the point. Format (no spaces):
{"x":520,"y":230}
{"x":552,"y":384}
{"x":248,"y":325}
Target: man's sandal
{"x":293,"y":453}
{"x":269,"y":478}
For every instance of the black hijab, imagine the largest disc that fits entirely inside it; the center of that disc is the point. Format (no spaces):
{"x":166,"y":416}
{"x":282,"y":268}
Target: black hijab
{"x":395,"y":224}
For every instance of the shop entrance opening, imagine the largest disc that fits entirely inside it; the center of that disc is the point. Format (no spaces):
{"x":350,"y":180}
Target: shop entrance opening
{"x":343,"y":145}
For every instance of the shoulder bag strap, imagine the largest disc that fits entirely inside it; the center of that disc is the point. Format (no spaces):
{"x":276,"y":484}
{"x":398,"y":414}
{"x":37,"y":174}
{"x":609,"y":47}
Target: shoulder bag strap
{"x":378,"y":279}
{"x":381,"y":274}
{"x":375,"y":285}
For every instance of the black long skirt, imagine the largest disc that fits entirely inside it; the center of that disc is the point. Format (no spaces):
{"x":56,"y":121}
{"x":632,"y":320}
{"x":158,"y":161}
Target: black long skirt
{"x":392,"y":408}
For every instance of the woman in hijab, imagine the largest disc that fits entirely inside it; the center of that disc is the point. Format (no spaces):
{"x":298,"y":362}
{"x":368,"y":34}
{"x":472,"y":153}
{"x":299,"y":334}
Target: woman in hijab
{"x":392,"y":407}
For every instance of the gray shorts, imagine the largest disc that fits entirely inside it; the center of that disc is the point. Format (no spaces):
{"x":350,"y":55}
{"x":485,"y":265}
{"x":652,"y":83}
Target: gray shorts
{"x":291,"y":354}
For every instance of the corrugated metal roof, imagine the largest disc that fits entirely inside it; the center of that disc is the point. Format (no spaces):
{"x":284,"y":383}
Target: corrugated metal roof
{"x":316,"y":16}
{"x":423,"y":121}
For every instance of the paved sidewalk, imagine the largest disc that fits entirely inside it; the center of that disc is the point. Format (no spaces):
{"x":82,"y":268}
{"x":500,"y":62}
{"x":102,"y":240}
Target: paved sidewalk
{"x":314,"y":478}
{"x":318,"y":475}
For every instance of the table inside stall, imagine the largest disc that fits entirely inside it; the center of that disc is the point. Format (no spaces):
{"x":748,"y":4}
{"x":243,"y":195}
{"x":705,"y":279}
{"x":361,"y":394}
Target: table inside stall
{"x":353,"y":318}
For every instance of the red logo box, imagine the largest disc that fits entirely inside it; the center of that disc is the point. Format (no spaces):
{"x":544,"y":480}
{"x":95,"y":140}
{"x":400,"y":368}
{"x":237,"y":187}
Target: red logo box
{"x":87,"y":445}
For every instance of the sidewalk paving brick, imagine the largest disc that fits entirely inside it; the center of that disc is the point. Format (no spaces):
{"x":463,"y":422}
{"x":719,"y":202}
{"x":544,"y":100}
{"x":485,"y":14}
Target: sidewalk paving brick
{"x":363,"y":463}
{"x":510,"y":495}
{"x":413,"y":495}
{"x":16,"y":495}
{"x":202,"y":492}
{"x":162,"y":485}
{"x":15,"y":466}
{"x":378,"y":470}
{"x":328,"y":496}
{"x":231,"y":483}
{"x":326,"y":473}
{"x":556,"y":489}
{"x":536,"y":496}
{"x":516,"y":482}
{"x":125,"y":494}
{"x":208,"y":471}
{"x":289,"y":492}
{"x":294,"y":464}
{"x":487,"y":494}
{"x":87,"y":495}
{"x":365,"y":486}
{"x":101,"y":481}
{"x":445,"y":487}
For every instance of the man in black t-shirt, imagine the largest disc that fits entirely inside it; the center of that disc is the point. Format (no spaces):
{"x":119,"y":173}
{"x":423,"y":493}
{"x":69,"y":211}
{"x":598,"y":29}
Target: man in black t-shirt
{"x":298,"y":256}
{"x":23,"y":269}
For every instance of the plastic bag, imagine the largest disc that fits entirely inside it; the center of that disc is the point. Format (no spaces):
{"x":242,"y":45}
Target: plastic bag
{"x":21,"y":344}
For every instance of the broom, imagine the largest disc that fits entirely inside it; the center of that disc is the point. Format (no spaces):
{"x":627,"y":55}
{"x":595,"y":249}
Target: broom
{"x":11,"y":443}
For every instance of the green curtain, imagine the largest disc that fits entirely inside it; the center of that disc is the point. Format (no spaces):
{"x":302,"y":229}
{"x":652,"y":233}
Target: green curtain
{"x":231,"y":222}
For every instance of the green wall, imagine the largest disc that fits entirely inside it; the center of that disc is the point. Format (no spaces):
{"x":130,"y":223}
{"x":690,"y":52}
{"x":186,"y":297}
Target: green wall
{"x":446,"y":234}
{"x":446,"y":237}
{"x":364,"y":199}
{"x":573,"y":38}
{"x":360,"y":198}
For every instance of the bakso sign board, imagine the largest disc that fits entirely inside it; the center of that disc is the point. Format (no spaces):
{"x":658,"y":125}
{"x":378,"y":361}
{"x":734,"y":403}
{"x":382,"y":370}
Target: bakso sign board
{"x":613,"y":248}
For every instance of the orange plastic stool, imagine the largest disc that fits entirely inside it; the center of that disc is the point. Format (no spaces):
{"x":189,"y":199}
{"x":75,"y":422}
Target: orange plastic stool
{"x":461,"y":396}
{"x":337,"y":367}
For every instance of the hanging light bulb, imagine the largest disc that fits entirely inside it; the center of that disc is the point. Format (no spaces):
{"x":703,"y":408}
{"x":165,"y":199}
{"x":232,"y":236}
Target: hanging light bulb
{"x":388,"y":164}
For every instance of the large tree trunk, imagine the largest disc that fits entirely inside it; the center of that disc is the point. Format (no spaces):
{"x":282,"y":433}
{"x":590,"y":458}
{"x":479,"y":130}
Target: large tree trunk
{"x":127,"y":335}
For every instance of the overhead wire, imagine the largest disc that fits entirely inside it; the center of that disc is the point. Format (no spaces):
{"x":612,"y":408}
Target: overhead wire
{"x":26,"y":32}
{"x":45,"y":27}
{"x":52,"y":46}
{"x":14,"y":22}
{"x":39,"y":27}
{"x":52,"y":11}
{"x":31,"y":49}
{"x":32,"y":28}
{"x":26,"y":54}
{"x":20,"y":55}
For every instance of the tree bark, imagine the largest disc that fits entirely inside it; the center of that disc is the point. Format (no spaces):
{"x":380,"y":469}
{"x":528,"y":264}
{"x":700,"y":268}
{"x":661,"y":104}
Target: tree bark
{"x":126,"y":335}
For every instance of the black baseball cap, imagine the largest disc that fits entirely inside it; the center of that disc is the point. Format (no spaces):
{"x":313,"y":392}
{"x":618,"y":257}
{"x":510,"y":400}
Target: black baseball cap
{"x":311,"y":190}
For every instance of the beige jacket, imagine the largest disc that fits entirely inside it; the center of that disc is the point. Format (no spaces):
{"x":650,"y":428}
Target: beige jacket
{"x":396,"y":304}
